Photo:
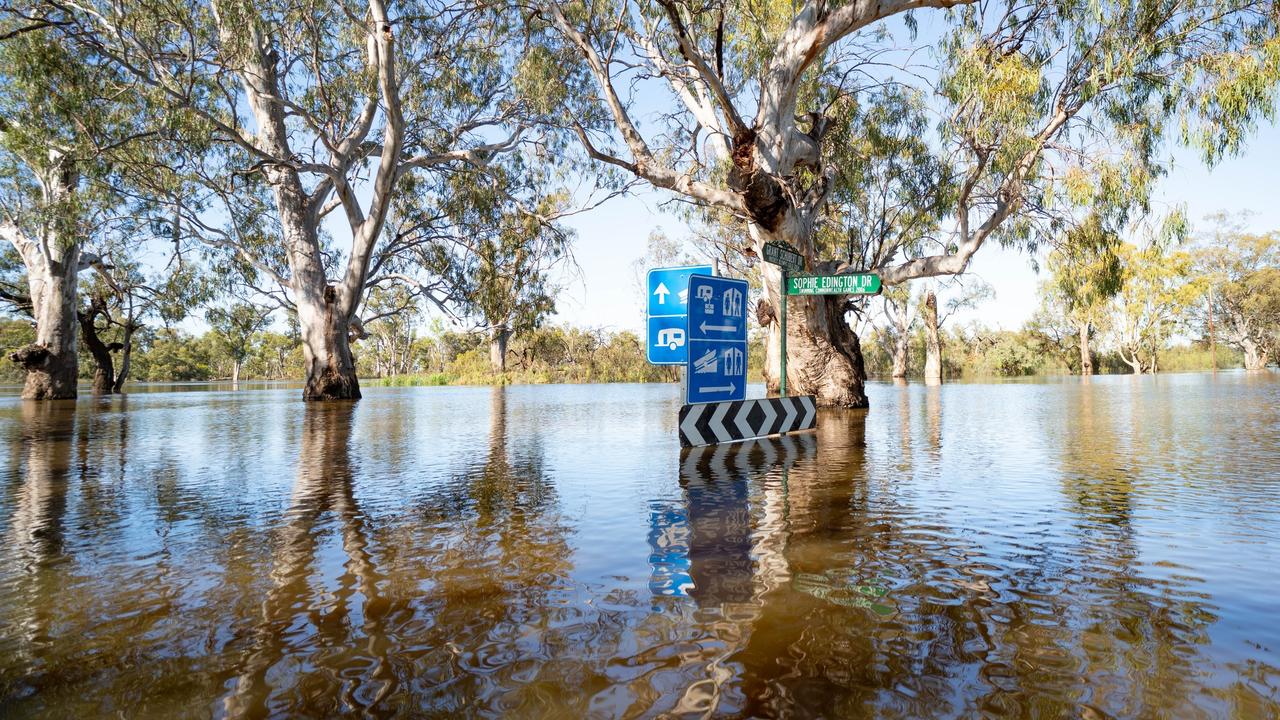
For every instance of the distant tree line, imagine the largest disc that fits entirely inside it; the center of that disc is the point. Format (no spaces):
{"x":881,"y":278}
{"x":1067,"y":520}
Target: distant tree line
{"x":1140,"y":307}
{"x":340,"y":165}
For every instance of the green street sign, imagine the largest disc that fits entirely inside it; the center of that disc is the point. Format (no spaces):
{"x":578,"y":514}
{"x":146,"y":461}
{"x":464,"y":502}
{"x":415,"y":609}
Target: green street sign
{"x":780,"y":253}
{"x":861,"y":284}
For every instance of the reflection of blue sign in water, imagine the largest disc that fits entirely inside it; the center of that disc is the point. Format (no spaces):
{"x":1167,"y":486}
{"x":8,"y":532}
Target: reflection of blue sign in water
{"x":668,"y":293}
{"x":717,"y":339}
{"x":668,"y":549}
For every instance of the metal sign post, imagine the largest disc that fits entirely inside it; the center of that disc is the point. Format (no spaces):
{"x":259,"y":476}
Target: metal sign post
{"x":782,"y":381}
{"x":787,"y":258}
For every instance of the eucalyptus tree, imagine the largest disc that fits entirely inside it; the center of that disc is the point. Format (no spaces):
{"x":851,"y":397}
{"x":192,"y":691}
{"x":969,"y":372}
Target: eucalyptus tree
{"x":234,"y":327}
{"x":1243,"y":272}
{"x":65,"y":118}
{"x":1085,"y":275}
{"x":900,"y":313}
{"x":124,"y":296}
{"x":317,"y":108}
{"x":389,"y":325}
{"x":1030,"y":96}
{"x":1158,"y":289}
{"x":483,"y":247}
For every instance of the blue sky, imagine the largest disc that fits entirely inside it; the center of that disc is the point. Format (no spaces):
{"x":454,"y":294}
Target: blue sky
{"x":614,"y":236}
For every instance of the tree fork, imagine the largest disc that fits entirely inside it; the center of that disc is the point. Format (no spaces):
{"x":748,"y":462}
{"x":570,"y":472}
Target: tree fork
{"x":331,"y":373}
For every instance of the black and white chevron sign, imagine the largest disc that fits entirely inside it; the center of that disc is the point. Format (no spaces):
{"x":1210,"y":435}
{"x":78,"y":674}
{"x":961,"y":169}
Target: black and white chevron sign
{"x":722,"y":422}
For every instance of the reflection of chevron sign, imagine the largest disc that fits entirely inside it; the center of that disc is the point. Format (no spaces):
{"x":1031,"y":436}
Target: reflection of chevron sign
{"x":722,"y":422}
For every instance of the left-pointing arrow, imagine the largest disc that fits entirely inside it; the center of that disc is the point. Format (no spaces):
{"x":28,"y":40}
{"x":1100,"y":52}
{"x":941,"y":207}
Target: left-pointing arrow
{"x":722,"y":328}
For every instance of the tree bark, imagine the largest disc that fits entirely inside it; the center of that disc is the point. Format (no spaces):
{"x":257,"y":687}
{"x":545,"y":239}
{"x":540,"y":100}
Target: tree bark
{"x":1086,"y":357}
{"x":901,"y":350}
{"x":933,"y":341}
{"x":1134,"y":362}
{"x":326,"y":346}
{"x":324,"y":309}
{"x":235,"y":373}
{"x":51,"y":361}
{"x":1255,"y":356}
{"x":824,"y":355}
{"x":498,"y":349}
{"x":103,"y":364}
{"x":901,"y":340}
{"x":126,"y":356}
{"x":52,"y":262}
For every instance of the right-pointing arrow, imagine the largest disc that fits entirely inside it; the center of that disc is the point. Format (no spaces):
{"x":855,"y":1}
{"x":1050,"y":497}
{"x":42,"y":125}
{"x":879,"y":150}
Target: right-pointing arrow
{"x":789,"y":414}
{"x":719,"y":388}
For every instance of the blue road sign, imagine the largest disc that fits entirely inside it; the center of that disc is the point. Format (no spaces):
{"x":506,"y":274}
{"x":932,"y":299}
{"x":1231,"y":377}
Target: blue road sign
{"x":717,"y":308}
{"x":668,"y":340}
{"x":717,"y":339}
{"x":668,"y":293}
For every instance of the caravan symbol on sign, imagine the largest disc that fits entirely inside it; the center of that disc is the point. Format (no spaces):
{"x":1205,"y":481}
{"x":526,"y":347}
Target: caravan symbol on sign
{"x":668,"y":303}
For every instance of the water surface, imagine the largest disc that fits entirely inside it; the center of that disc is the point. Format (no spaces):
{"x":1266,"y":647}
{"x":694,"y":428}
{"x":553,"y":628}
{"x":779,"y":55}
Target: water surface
{"x":1061,"y":549}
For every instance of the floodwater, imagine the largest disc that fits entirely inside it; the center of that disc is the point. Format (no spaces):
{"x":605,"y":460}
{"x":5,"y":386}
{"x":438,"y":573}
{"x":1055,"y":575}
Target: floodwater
{"x":1061,"y":549}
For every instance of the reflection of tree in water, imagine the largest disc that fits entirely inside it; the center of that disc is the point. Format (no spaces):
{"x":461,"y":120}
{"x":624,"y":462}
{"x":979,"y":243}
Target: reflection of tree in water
{"x":296,"y":619}
{"x":1142,"y":630}
{"x":887,"y":612}
{"x":35,"y":531}
{"x":76,"y":604}
{"x":497,"y":625}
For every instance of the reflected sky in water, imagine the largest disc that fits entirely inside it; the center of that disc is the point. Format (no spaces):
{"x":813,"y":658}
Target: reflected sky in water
{"x":1097,"y":549}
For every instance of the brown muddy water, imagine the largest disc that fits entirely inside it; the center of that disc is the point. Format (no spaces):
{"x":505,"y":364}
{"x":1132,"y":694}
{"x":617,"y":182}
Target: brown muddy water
{"x":1058,"y":549}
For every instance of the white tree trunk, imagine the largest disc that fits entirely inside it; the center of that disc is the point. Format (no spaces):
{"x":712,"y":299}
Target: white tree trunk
{"x":51,"y":361}
{"x":901,"y":339}
{"x":1134,"y":361}
{"x":52,"y":263}
{"x":933,"y":342}
{"x":1086,"y":357}
{"x":498,"y":349}
{"x":1255,"y":355}
{"x":324,"y":309}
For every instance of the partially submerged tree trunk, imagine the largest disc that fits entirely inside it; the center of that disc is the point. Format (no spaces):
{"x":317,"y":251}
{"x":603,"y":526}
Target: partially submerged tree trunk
{"x":235,"y":373}
{"x":933,"y":341}
{"x":498,"y":349}
{"x":103,"y":364}
{"x":53,"y":268}
{"x":901,"y":351}
{"x":901,"y":318}
{"x":824,"y":355}
{"x":51,"y":362}
{"x":1255,"y":355}
{"x":1086,"y":357}
{"x":126,"y":356}
{"x":1134,"y":361}
{"x":326,"y":346}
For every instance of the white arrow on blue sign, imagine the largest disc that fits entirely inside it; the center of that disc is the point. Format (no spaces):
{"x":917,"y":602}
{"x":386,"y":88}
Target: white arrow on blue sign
{"x":667,"y":341}
{"x":717,"y":339}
